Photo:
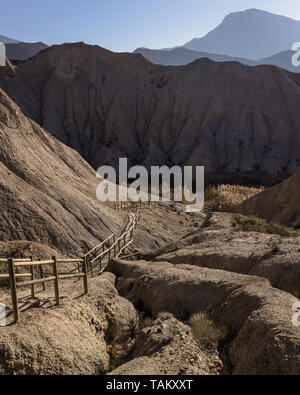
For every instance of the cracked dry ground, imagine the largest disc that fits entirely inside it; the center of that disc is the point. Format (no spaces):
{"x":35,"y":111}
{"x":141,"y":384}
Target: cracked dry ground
{"x":136,"y":319}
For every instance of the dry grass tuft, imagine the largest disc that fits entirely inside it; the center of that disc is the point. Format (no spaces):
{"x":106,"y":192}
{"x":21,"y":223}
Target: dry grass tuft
{"x":206,"y":331}
{"x":228,"y":197}
{"x":255,"y":224}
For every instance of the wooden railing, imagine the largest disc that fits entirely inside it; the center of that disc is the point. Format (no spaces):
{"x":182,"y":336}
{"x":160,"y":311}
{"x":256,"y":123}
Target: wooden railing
{"x":135,"y":205}
{"x":97,"y":258}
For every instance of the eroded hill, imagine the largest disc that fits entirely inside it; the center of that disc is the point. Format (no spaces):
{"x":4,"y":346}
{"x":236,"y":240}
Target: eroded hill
{"x":226,"y":116}
{"x":47,"y":191}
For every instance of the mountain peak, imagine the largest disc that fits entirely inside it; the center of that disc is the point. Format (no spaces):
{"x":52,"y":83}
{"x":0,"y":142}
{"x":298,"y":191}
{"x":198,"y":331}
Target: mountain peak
{"x":240,"y":35}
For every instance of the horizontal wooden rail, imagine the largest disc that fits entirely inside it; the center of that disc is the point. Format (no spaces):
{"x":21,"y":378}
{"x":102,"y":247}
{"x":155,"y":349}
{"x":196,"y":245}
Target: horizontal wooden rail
{"x":34,"y":282}
{"x":70,"y":260}
{"x":18,"y":275}
{"x":35,"y":263}
{"x":73,"y":275}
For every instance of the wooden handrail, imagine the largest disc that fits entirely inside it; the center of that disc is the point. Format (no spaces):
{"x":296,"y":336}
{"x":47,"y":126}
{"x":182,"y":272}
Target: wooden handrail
{"x":34,"y":263}
{"x":79,"y":260}
{"x":113,"y":250}
{"x":99,"y":245}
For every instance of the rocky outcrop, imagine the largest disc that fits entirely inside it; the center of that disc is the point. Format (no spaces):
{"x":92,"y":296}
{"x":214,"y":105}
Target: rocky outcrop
{"x":47,"y":191}
{"x":226,"y":116}
{"x":218,"y":246}
{"x":258,"y":316}
{"x":77,"y":338}
{"x":280,"y":204}
{"x":168,"y":347}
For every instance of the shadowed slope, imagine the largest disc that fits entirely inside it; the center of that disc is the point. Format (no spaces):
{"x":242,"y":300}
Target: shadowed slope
{"x":226,"y":116}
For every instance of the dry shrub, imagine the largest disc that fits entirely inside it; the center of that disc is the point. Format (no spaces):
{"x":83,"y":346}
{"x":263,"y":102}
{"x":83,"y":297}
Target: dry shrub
{"x":228,"y":197}
{"x":206,"y":331}
{"x":255,"y":224}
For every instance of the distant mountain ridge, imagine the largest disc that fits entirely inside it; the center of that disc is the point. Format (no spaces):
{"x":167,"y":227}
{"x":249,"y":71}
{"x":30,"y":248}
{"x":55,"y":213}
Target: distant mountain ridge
{"x":251,"y":37}
{"x":251,"y":34}
{"x":19,"y":50}
{"x":182,"y":56}
{"x":23,"y":51}
{"x":7,"y":40}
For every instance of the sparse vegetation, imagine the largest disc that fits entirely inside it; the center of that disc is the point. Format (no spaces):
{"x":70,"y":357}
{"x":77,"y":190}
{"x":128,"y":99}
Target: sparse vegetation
{"x":206,"y":331}
{"x":228,"y":197}
{"x":255,"y":224}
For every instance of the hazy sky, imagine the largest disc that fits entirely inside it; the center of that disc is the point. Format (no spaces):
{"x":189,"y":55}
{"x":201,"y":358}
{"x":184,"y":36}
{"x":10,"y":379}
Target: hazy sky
{"x":124,"y":25}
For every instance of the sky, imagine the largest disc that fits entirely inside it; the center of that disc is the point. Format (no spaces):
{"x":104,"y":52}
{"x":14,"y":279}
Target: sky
{"x":124,"y":25}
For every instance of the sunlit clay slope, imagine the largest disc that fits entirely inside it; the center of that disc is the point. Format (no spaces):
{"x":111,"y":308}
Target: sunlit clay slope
{"x":238,"y":121}
{"x":47,"y":191}
{"x":279,"y":204}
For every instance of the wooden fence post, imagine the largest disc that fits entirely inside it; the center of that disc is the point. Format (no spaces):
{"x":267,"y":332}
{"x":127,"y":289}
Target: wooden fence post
{"x":32,"y":278}
{"x":85,"y":278}
{"x":42,"y":276}
{"x":101,"y":264}
{"x":56,"y":281}
{"x":91,"y":269}
{"x":13,"y":289}
{"x":115,"y":247}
